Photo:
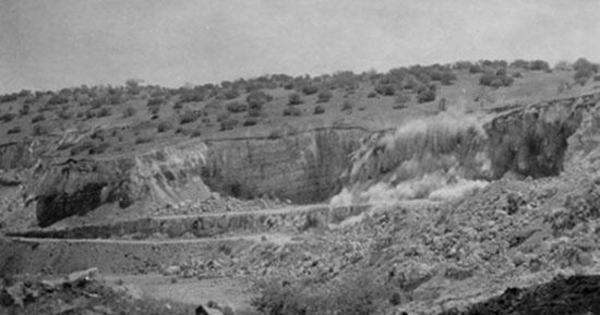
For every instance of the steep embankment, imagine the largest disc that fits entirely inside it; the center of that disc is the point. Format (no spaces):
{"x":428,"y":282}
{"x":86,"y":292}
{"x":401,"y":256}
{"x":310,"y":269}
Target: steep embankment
{"x":303,"y":167}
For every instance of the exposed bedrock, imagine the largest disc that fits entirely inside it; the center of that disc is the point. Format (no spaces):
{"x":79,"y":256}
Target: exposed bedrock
{"x":303,"y":167}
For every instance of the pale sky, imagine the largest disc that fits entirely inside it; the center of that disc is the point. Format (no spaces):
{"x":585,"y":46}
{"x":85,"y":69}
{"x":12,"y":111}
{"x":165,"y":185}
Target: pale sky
{"x":50,"y":44}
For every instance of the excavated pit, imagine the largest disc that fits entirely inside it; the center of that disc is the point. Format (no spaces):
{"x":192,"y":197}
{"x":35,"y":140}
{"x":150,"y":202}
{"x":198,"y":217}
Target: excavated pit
{"x":435,"y":157}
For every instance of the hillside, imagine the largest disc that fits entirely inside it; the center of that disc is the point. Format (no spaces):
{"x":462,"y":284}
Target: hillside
{"x":441,"y":189}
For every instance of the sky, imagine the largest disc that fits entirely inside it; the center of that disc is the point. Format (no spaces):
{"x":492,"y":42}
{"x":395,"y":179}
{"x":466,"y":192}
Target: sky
{"x":51,"y":44}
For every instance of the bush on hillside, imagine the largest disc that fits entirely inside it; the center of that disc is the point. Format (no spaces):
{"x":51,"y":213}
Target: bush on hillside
{"x":496,"y":80}
{"x":319,"y":110}
{"x":236,"y":107}
{"x":257,"y":99}
{"x":539,"y":65}
{"x":37,"y":118}
{"x":13,"y":130}
{"x":385,"y":89}
{"x":104,"y":112}
{"x":292,"y":111}
{"x":250,"y":122}
{"x":8,"y":117}
{"x":310,"y":89}
{"x":426,"y":94}
{"x":228,"y":124}
{"x":295,"y":99}
{"x":324,"y":96}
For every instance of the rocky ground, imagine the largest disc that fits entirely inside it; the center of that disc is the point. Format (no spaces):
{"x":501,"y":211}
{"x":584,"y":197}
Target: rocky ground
{"x":434,"y":257}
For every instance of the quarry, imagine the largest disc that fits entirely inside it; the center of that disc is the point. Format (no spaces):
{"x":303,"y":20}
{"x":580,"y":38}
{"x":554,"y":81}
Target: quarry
{"x":453,"y":209}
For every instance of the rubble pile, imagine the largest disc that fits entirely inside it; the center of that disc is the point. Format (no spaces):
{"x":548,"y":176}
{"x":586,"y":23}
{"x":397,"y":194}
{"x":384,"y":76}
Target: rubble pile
{"x":82,"y":292}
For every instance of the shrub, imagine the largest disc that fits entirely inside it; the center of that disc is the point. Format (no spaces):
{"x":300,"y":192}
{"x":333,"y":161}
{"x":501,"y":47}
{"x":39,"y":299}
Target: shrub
{"x":257,"y":99}
{"x":231,"y":94}
{"x":426,"y":94}
{"x":236,"y":107}
{"x":13,"y":130}
{"x":38,"y":118}
{"x":309,"y":90}
{"x":319,"y":110}
{"x":292,"y":111}
{"x":289,"y":86}
{"x":58,"y":99}
{"x":164,"y":126}
{"x":385,"y":89}
{"x":324,"y":96}
{"x":188,"y":116}
{"x":295,"y":99}
{"x":539,"y":65}
{"x":250,"y":122}
{"x":372,"y":95}
{"x":496,"y":80}
{"x":228,"y":124}
{"x":129,"y":112}
{"x":448,"y":77}
{"x":104,"y":112}
{"x":9,"y":97}
{"x":8,"y":117}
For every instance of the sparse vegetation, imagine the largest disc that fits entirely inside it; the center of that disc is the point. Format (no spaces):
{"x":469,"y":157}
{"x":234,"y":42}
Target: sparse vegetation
{"x":8,"y":117}
{"x":236,"y":107}
{"x":324,"y":96}
{"x":295,"y":99}
{"x":319,"y":110}
{"x":228,"y":124}
{"x":292,"y":111}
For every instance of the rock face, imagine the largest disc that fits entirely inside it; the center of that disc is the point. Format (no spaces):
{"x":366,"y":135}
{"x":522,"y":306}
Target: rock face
{"x":303,"y":167}
{"x":533,"y":141}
